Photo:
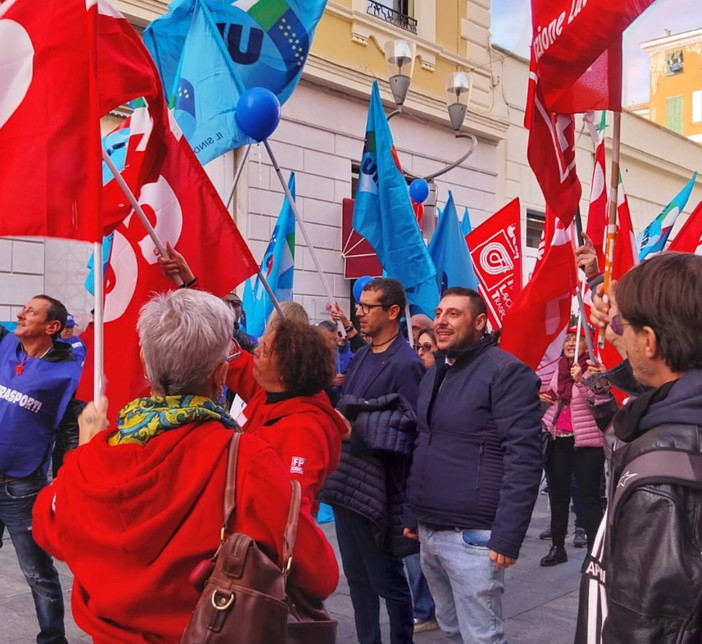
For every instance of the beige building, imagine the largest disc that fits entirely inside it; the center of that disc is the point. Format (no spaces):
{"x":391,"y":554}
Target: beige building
{"x":321,"y":136}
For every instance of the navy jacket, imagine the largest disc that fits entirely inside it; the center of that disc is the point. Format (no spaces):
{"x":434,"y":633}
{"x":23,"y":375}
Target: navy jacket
{"x":373,"y":485}
{"x":477,"y":459}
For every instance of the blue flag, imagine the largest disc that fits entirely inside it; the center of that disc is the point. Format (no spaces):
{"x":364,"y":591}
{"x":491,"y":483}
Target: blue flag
{"x":466,"y":228}
{"x":90,"y":278}
{"x":278,"y":267}
{"x":383,"y":214}
{"x":652,"y":239}
{"x":449,"y":252}
{"x":209,"y":51}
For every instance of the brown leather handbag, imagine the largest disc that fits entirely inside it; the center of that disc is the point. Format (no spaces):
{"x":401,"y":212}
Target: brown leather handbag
{"x":245,"y":599}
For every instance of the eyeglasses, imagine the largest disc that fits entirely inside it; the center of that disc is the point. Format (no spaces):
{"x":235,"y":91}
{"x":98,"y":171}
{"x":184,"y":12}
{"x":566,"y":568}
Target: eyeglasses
{"x":425,"y":346}
{"x":617,"y":325}
{"x":366,"y":308}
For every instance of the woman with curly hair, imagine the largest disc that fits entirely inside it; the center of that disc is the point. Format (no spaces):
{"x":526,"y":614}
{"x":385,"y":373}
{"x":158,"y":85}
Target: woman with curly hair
{"x":282,"y":384}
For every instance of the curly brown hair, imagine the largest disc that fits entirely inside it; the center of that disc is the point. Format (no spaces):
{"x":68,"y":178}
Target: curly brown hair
{"x":305,"y":363}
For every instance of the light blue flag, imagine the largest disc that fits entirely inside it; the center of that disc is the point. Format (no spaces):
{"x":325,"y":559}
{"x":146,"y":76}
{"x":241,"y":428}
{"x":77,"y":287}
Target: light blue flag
{"x":264,"y":43}
{"x":449,"y":252}
{"x":106,"y":250}
{"x":278,"y":267}
{"x":383,"y":214}
{"x":466,"y":228}
{"x":652,"y":239}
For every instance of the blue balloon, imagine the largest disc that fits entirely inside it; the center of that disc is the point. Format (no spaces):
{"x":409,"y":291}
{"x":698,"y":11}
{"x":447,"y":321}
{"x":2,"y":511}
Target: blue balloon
{"x":358,"y":286}
{"x":419,"y":190}
{"x":258,"y":113}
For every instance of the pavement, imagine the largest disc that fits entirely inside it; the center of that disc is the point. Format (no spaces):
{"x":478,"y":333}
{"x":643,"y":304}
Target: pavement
{"x":540,"y":604}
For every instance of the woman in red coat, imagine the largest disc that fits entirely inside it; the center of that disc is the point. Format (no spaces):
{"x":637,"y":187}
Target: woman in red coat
{"x":283,"y":385}
{"x":134,"y":510}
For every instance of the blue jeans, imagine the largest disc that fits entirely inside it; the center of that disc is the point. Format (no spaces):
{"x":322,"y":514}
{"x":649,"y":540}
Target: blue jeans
{"x":421,"y":597}
{"x":466,"y":586}
{"x":373,"y":573}
{"x":16,"y":502}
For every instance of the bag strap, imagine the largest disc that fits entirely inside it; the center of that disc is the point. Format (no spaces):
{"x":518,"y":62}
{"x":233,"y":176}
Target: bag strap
{"x":291,"y":527}
{"x":230,"y":484}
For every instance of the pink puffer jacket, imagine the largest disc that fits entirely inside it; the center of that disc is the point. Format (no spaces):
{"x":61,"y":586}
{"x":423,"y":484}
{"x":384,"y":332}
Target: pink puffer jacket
{"x":587,"y":434}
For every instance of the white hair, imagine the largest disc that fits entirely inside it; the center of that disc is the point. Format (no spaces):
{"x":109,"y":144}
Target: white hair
{"x":184,"y":335}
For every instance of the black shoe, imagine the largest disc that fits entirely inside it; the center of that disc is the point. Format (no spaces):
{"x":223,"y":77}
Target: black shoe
{"x":555,"y":556}
{"x":546,"y":535}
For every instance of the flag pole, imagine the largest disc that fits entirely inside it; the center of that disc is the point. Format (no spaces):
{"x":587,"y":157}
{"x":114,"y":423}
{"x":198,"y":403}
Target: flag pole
{"x":612,"y":213}
{"x":98,"y":325}
{"x":137,"y":208}
{"x":237,"y":175}
{"x":582,"y":316}
{"x":300,"y":223}
{"x":269,"y":290}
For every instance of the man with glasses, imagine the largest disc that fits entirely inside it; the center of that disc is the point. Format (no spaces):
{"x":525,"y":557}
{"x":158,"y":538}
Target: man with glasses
{"x":367,"y":489}
{"x":647,"y":552}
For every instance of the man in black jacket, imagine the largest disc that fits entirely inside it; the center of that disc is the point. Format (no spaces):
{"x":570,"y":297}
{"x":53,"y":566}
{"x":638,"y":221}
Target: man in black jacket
{"x":652,"y":541}
{"x":368,"y":487}
{"x":475,"y":471}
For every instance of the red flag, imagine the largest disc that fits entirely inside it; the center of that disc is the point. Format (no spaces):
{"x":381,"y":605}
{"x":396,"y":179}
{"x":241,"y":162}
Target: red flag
{"x":689,"y":238}
{"x":551,"y":152}
{"x":49,"y":120}
{"x":536,"y":321}
{"x":495,"y":248}
{"x":626,"y":253}
{"x":185,"y":210}
{"x":597,"y":214}
{"x":569,"y":36}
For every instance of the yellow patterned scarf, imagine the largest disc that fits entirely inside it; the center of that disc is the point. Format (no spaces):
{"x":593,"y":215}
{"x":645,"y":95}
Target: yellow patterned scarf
{"x":144,"y":418}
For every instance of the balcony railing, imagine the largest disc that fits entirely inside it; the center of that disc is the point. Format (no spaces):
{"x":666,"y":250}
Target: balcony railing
{"x":396,"y":18}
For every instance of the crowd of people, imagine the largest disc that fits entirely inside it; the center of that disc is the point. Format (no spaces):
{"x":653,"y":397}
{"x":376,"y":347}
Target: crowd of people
{"x":427,"y":440}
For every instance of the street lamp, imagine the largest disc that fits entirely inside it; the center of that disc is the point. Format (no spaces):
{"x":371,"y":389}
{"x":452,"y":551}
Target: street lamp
{"x":400,"y":55}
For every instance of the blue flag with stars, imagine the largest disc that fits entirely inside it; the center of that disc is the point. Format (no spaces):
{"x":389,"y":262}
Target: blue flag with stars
{"x":277,"y":266}
{"x":652,"y":239}
{"x":383,"y":214}
{"x":449,"y":252}
{"x":209,"y":51}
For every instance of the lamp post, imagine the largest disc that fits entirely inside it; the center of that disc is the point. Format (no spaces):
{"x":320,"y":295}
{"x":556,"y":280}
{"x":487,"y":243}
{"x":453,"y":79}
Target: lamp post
{"x":400,"y":56}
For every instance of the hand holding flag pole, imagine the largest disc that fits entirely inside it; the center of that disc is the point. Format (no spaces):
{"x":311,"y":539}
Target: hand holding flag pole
{"x":582,"y":316}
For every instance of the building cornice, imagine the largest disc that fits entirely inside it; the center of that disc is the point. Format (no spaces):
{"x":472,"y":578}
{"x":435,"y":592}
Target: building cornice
{"x":676,"y":40}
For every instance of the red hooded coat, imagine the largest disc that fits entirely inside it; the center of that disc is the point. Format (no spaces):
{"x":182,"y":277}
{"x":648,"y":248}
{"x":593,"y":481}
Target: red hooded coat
{"x":133,"y":521}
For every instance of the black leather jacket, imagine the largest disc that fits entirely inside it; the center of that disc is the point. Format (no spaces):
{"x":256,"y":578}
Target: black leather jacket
{"x":654,"y":562}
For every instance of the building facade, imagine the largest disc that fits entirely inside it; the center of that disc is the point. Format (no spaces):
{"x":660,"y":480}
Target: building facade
{"x":321,"y":135}
{"x":675,"y":70}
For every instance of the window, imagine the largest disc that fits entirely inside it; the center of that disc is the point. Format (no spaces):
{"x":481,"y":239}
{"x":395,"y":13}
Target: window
{"x":674,"y":62}
{"x":396,"y":12}
{"x":674,"y":113}
{"x":697,"y":106}
{"x":534,"y":228}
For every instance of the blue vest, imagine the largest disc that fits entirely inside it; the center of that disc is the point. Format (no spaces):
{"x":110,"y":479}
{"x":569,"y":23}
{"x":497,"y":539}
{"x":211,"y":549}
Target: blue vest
{"x":32,"y":405}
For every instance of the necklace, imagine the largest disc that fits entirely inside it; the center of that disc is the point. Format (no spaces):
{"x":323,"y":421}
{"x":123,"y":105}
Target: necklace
{"x":382,"y":344}
{"x":19,"y":369}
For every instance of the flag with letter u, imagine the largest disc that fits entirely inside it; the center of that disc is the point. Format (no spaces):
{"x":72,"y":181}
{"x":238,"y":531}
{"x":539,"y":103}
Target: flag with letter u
{"x":277,"y":266}
{"x":383,"y":213}
{"x":258,"y":43}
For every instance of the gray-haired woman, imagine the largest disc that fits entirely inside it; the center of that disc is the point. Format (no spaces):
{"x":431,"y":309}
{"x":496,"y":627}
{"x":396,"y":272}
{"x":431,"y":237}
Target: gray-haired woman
{"x":136,"y":509}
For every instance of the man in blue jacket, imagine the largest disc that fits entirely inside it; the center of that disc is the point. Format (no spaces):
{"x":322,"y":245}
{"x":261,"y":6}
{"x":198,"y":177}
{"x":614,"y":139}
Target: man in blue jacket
{"x":38,"y":376}
{"x":367,"y":489}
{"x":475,"y":470}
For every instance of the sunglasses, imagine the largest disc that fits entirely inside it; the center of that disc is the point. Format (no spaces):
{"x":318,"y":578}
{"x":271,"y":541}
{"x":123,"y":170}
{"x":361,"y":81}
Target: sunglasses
{"x":425,"y":346}
{"x":617,"y":325}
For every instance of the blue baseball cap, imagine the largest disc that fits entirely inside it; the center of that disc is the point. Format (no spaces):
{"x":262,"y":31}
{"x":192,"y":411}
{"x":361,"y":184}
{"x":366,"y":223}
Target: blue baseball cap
{"x":70,"y":321}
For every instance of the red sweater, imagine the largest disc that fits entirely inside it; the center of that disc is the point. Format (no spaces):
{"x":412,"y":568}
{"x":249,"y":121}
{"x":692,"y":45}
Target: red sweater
{"x":305,"y":431}
{"x":132,"y":522}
